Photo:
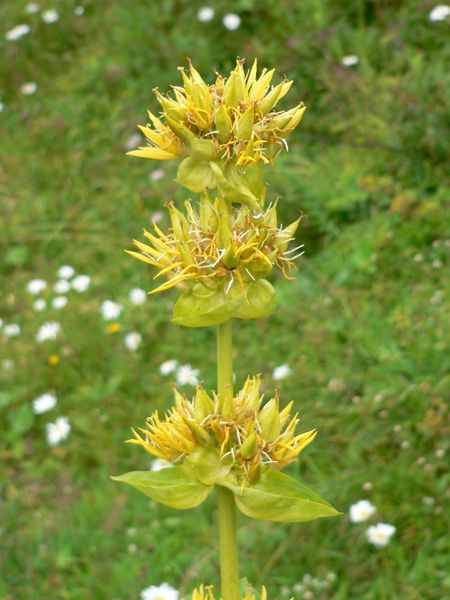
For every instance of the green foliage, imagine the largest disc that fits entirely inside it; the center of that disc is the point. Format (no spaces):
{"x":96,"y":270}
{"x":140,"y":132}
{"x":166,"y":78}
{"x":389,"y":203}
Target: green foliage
{"x":365,"y":328}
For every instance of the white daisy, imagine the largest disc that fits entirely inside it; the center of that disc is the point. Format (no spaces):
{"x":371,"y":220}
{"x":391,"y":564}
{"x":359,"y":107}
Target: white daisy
{"x":380,"y":534}
{"x":159,"y":463}
{"x":349,"y":60}
{"x":31,"y":8}
{"x":27,"y":89}
{"x":132,"y":341}
{"x":11,"y":330}
{"x":168,"y":367}
{"x":44,"y":403}
{"x":160,"y":592}
{"x":78,"y":11}
{"x":137,"y":296}
{"x":50,"y":16}
{"x":186,"y":375}
{"x":231,"y":21}
{"x":281,"y":372}
{"x":110,"y":310}
{"x":58,"y":431}
{"x":157,"y":175}
{"x":62,"y":286}
{"x":36,"y":286}
{"x":39,"y":305}
{"x":361,"y":511}
{"x":48,"y":331}
{"x":205,"y":14}
{"x":80,"y":283}
{"x":17,"y":32}
{"x":59,"y":302}
{"x":66,"y":272}
{"x":439,"y":13}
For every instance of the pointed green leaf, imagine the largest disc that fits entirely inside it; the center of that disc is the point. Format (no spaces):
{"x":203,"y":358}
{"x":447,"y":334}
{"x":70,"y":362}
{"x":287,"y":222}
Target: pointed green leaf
{"x":278,"y":497}
{"x":169,"y":486}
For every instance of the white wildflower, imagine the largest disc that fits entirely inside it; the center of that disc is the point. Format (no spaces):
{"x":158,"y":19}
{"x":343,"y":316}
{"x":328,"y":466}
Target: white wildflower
{"x":137,"y":296}
{"x":157,"y":216}
{"x":58,"y":431}
{"x":78,"y":11}
{"x":36,"y":286}
{"x":231,"y":21}
{"x":17,"y":32}
{"x":66,"y":272}
{"x":133,"y":141}
{"x":39,"y":305}
{"x":380,"y":534}
{"x":50,"y":16}
{"x":31,"y":8}
{"x":11,"y":330}
{"x":186,"y":375}
{"x":27,"y":89}
{"x":132,"y":341}
{"x":110,"y":310}
{"x":80,"y":283}
{"x":62,"y":286}
{"x":160,"y":592}
{"x":7,"y":364}
{"x":349,"y":60}
{"x":159,"y":463}
{"x":439,"y":13}
{"x":48,"y":331}
{"x":168,"y":367}
{"x":59,"y":302}
{"x":157,"y":175}
{"x":361,"y":511}
{"x":205,"y":14}
{"x":281,"y":372}
{"x":2,"y":106}
{"x":44,"y":403}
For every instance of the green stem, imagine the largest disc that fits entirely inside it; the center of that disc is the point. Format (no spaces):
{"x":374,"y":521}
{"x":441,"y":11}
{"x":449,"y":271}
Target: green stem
{"x":229,"y":569}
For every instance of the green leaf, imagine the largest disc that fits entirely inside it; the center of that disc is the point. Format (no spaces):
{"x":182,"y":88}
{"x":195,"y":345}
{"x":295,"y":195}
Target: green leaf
{"x":278,"y":497}
{"x":261,"y":301}
{"x":170,"y":486}
{"x":203,"y":307}
{"x":204,"y":464}
{"x":196,"y":176}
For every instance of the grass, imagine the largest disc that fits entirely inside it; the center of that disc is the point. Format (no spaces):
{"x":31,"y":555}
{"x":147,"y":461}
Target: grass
{"x":364,"y":328}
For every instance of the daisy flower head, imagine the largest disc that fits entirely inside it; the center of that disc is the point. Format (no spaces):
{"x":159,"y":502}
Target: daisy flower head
{"x":39,"y":305}
{"x":78,"y":11}
{"x":110,"y":310}
{"x":11,"y":330}
{"x":132,"y":341}
{"x":27,"y":89}
{"x":81,"y":283}
{"x":231,"y":21}
{"x":160,"y":592}
{"x":44,"y":403}
{"x":441,"y":12}
{"x":62,"y":286}
{"x":59,"y":302}
{"x":36,"y":286}
{"x":137,"y":296}
{"x":186,"y":375}
{"x":205,"y":14}
{"x":168,"y":367}
{"x":281,"y":372}
{"x":379,"y":535}
{"x":31,"y":8}
{"x":65,"y":272}
{"x":18,"y":32}
{"x":50,"y":16}
{"x":361,"y":511}
{"x":48,"y":331}
{"x":58,"y":431}
{"x":349,"y":60}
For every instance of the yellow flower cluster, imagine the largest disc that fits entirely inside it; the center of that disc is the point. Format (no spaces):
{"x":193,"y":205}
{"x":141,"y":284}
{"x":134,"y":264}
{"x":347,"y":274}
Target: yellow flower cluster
{"x":233,"y":119}
{"x":244,"y":434}
{"x":217,"y":246}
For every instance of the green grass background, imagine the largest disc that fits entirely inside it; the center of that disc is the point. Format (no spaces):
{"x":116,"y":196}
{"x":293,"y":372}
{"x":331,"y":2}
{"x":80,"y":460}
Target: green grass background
{"x":365,"y":326}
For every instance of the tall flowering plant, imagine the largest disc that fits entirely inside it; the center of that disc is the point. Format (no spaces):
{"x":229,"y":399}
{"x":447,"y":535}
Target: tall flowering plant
{"x":217,"y":255}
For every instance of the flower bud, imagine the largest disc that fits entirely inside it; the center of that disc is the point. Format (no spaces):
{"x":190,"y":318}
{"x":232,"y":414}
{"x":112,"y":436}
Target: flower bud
{"x":249,"y":447}
{"x":269,"y":420}
{"x":223,"y":123}
{"x":203,"y":405}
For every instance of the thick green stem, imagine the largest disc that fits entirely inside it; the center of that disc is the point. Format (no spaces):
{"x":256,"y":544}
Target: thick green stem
{"x":229,"y":570}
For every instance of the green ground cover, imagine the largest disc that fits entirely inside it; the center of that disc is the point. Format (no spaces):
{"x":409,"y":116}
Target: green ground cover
{"x":365,"y":327}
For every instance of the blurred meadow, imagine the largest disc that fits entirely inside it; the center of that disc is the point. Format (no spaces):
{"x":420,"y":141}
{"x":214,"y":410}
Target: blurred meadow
{"x":364,"y":331}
